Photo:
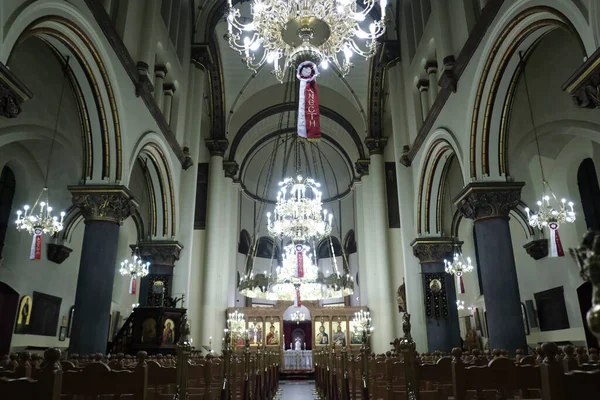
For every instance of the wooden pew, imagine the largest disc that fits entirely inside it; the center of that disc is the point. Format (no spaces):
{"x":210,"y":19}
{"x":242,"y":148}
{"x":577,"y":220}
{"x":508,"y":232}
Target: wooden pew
{"x":46,"y":386}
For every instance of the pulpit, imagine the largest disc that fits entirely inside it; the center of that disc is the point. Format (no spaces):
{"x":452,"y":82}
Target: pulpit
{"x":151,"y":329}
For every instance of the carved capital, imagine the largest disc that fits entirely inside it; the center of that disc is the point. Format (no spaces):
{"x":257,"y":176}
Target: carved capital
{"x":144,"y":80}
{"x":217,"y":147}
{"x":103,"y":202}
{"x":480,"y":200}
{"x":159,"y":252}
{"x":433,"y":250}
{"x":362,"y":167}
{"x":57,"y":253}
{"x":231,"y":168}
{"x":584,"y":84}
{"x":537,"y":249}
{"x":188,"y":162}
{"x":376,"y":145}
{"x":12,"y":93}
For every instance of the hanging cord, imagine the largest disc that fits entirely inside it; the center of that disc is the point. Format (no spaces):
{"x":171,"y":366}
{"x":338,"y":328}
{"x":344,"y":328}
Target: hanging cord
{"x":522,"y":64}
{"x":60,"y":100}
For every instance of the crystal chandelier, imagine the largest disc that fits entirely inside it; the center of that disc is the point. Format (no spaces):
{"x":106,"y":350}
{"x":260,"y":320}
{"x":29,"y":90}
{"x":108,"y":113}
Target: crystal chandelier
{"x":458,"y":267}
{"x":281,"y":32}
{"x":361,"y":324}
{"x":550,"y":215}
{"x":134,"y":266}
{"x":460,"y":305}
{"x":39,"y":217}
{"x":298,"y":317}
{"x":298,"y":214}
{"x":236,"y":322}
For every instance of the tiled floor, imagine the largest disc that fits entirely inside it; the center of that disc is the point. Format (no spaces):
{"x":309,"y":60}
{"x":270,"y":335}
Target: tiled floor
{"x":296,"y":390}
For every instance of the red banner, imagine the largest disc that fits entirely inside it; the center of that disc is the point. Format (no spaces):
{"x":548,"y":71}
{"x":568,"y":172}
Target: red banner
{"x":461,"y":284}
{"x":36,"y":245}
{"x":298,"y":300}
{"x":309,"y":117}
{"x":132,"y":284}
{"x":556,"y":248}
{"x":300,"y":262}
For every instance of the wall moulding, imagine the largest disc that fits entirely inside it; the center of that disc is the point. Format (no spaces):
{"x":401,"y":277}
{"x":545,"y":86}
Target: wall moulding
{"x":13,"y":93}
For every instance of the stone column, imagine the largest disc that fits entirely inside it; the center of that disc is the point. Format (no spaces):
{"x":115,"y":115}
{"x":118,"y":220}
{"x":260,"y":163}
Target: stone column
{"x":489,"y":204}
{"x":443,"y":329}
{"x":162,"y":255}
{"x":214,"y":301}
{"x":431,"y":69}
{"x":103,"y":208}
{"x":169,"y":92}
{"x":423,"y":87}
{"x":145,"y":65}
{"x":160,"y":73}
{"x":439,"y":10}
{"x":380,"y":294}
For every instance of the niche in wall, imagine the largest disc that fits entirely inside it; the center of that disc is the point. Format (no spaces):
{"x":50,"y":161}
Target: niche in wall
{"x":44,"y":314}
{"x":552,"y":311}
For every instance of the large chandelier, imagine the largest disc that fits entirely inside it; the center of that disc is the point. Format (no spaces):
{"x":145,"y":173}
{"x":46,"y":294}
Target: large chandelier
{"x":280,"y":32}
{"x":236,"y":322}
{"x":362,"y":325}
{"x":458,"y":266}
{"x":550,"y":215}
{"x":39,"y":217}
{"x":299,"y":213}
{"x":134,"y":266}
{"x":298,"y":317}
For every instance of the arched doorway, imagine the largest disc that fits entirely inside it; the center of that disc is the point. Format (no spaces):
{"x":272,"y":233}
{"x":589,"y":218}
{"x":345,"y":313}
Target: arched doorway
{"x":297,"y":329}
{"x":9,"y":300}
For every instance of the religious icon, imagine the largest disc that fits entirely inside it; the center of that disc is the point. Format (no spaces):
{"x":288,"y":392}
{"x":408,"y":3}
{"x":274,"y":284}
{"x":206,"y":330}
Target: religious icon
{"x":24,"y":315}
{"x":273,"y":335}
{"x":259,"y":333}
{"x":322,"y":337}
{"x":148,"y":330}
{"x":255,"y":333}
{"x":339,"y":336}
{"x":435,"y":285}
{"x":355,"y":335}
{"x":168,"y":332}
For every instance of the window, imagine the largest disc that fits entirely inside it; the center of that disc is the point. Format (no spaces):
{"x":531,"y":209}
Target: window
{"x":7,"y":192}
{"x":589,"y":191}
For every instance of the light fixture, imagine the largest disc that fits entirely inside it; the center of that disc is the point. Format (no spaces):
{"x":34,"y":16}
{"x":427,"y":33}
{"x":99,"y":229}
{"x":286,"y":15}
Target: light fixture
{"x":298,"y":317}
{"x":361,"y":324}
{"x":284,"y":32}
{"x":458,"y":267}
{"x":460,"y":305}
{"x":38,"y":220}
{"x":134,"y":266}
{"x":299,"y":213}
{"x":551,"y":212}
{"x":236,"y":322}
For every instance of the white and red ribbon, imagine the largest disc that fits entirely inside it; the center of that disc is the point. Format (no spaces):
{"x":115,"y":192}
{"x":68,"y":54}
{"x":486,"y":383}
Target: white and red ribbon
{"x":309,"y":117}
{"x":132,"y":284}
{"x":36,"y":245}
{"x":298,"y":300}
{"x":461,"y":284}
{"x":300,"y":261}
{"x":556,"y":248}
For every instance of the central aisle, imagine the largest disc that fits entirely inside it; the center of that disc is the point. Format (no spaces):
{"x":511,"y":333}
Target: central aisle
{"x":296,"y":390}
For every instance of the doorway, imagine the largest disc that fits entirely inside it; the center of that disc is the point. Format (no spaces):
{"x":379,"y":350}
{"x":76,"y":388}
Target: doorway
{"x":9,"y":300}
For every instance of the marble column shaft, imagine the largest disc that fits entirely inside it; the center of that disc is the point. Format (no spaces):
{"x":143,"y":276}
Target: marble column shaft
{"x":444,"y":333}
{"x":423,"y":87}
{"x":169,"y":92}
{"x":160,"y":73}
{"x":103,"y":208}
{"x":431,"y":69}
{"x":489,"y":204}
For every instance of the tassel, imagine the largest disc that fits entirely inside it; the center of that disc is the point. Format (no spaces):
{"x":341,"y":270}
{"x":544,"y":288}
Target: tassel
{"x":556,"y":248}
{"x":461,"y":284}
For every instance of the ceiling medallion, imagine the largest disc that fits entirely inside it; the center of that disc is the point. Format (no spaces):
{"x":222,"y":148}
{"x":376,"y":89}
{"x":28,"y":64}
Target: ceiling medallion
{"x":284,"y":32}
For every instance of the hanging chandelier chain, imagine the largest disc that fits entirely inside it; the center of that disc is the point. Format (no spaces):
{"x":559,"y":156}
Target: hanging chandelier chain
{"x":60,"y":101}
{"x":522,"y":64}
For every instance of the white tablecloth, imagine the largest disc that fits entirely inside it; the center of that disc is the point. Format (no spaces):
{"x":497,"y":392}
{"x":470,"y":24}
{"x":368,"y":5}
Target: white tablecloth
{"x":297,"y":360}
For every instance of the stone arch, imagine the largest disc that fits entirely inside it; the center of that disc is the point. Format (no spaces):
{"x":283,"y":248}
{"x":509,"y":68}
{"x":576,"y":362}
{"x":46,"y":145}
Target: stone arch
{"x":67,"y":32}
{"x":522,"y":26}
{"x":350,"y":242}
{"x":324,"y":247}
{"x":152,"y":151}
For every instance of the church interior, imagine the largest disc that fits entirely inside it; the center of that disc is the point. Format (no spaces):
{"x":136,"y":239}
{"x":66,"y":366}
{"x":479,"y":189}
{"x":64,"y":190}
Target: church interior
{"x":300,"y":199}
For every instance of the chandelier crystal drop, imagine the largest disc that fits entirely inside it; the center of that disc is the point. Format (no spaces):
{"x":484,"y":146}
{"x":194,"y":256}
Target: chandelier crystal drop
{"x":299,"y":213}
{"x":40,"y":217}
{"x":134,"y":266}
{"x":555,"y":214}
{"x":280,"y":32}
{"x":298,"y":317}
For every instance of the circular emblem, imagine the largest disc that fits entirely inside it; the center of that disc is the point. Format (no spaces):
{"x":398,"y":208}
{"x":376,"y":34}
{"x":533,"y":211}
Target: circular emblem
{"x":553,"y":226}
{"x":307,"y":71}
{"x":298,"y":248}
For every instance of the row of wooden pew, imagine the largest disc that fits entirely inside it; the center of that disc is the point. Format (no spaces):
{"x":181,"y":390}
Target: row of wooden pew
{"x":245,"y":375}
{"x":344,"y":376}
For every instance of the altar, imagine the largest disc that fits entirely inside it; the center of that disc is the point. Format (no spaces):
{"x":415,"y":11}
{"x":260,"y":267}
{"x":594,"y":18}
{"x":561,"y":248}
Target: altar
{"x":297,"y":360}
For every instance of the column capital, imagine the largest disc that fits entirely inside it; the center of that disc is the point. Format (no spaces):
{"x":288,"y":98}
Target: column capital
{"x":537,"y":249}
{"x":376,"y":145}
{"x":160,"y":71}
{"x":481,"y":200}
{"x":57,"y":253}
{"x":431,"y":67}
{"x":12,"y":93}
{"x":231,"y":168}
{"x":217,"y":147}
{"x":433,"y":249}
{"x":362,"y":166}
{"x":159,"y":252}
{"x":112,"y":203}
{"x":169,"y":89}
{"x":423,"y":85}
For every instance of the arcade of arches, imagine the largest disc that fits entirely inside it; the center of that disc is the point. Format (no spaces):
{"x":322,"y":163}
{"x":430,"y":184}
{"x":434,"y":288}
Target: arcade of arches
{"x":164,"y":144}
